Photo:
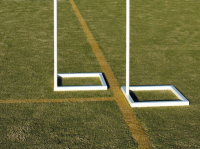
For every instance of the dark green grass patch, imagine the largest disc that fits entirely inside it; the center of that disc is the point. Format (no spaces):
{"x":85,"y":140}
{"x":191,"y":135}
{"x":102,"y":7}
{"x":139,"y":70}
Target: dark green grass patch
{"x":80,"y":81}
{"x":26,"y":50}
{"x":165,"y":43}
{"x":153,"y":95}
{"x":64,"y":125}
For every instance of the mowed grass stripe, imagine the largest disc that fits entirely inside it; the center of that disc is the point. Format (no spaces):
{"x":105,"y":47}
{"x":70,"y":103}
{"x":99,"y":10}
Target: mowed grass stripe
{"x":137,"y":132}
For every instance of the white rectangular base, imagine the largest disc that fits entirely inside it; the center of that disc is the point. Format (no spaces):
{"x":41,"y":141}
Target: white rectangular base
{"x":181,"y":102}
{"x":82,"y":88}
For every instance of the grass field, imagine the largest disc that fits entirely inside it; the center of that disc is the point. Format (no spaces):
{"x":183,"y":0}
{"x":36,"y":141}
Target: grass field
{"x":165,"y":50}
{"x":69,"y":125}
{"x":165,"y":43}
{"x":27,"y":50}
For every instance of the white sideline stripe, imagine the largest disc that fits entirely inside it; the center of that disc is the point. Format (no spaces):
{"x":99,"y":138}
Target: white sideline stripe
{"x":181,"y":102}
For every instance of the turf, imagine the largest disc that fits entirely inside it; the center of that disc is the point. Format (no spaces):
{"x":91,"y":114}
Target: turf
{"x":80,"y":81}
{"x":165,"y":95}
{"x":26,"y":44}
{"x":27,"y":73}
{"x":164,"y":50}
{"x":69,"y":125}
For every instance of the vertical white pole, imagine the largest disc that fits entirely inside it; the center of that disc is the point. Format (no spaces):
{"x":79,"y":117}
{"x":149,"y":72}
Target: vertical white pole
{"x":55,"y":45}
{"x":127,"y":46}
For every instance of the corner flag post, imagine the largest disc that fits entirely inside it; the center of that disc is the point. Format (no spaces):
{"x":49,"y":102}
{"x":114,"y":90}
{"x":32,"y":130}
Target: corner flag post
{"x":127,"y":46}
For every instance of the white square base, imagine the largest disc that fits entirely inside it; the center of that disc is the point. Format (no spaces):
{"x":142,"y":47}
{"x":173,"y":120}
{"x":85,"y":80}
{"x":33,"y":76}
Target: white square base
{"x":181,"y":102}
{"x":82,"y":88}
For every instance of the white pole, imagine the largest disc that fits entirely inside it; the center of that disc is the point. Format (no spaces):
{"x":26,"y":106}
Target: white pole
{"x":55,"y":45}
{"x":127,"y":46}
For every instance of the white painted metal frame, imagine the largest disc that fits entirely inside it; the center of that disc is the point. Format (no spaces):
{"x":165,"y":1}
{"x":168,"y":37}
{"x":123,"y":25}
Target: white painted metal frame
{"x":82,"y":88}
{"x":72,"y":75}
{"x":126,"y":89}
{"x":181,"y":102}
{"x":55,"y":47}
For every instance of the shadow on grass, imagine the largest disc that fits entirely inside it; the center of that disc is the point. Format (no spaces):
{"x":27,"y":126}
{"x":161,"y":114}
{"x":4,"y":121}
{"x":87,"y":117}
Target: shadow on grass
{"x":134,"y":97}
{"x":59,"y":81}
{"x":106,"y":80}
{"x":137,"y":99}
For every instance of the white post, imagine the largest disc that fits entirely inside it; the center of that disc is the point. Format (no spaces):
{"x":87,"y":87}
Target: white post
{"x":55,"y":45}
{"x":127,"y":46}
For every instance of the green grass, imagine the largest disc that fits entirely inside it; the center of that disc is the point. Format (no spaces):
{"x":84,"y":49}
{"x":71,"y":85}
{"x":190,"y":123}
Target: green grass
{"x":153,"y":95}
{"x":26,"y":64}
{"x":171,"y":127}
{"x":165,"y":43}
{"x":80,"y":81}
{"x":70,"y":125}
{"x":26,"y":59}
{"x":164,"y":50}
